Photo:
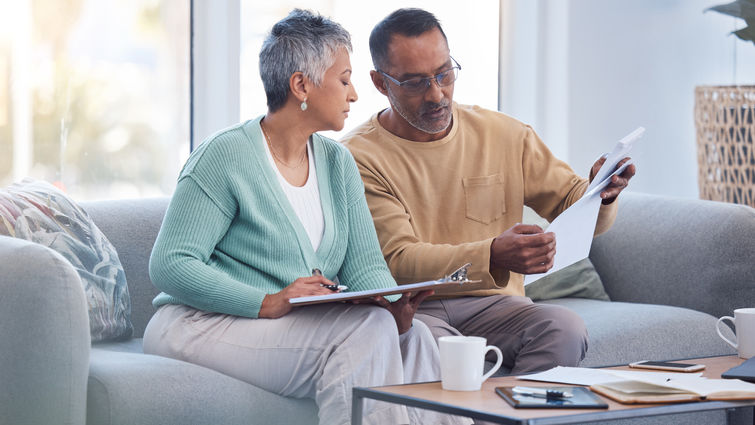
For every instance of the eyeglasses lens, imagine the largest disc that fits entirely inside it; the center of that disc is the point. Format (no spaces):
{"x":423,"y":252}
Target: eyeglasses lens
{"x":419,"y":85}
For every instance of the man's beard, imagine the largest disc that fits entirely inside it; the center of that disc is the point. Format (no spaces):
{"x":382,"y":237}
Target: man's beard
{"x":431,"y":127}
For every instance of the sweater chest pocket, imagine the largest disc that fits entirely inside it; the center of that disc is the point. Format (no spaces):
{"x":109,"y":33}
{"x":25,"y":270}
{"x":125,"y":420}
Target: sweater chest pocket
{"x":484,"y":198}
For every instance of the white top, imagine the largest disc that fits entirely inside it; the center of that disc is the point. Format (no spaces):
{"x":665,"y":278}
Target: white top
{"x":305,"y":200}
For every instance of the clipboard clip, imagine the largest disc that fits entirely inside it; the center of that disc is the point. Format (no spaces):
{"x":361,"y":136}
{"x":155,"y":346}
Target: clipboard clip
{"x":460,"y":275}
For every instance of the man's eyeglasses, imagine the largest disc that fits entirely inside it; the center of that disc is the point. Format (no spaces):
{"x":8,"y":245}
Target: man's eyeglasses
{"x":419,"y":85}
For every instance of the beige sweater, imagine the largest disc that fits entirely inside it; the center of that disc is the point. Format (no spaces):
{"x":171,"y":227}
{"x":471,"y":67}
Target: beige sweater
{"x":438,"y":205}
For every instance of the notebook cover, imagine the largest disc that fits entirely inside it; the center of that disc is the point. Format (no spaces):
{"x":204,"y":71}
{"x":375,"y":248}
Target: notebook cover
{"x":582,"y":398}
{"x":745,"y":371}
{"x":642,"y":398}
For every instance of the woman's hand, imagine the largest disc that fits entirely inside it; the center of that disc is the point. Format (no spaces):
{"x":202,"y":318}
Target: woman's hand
{"x":276,"y":305}
{"x":403,"y":310}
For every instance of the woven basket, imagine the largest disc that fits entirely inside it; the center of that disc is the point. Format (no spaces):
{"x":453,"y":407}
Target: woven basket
{"x":725,"y":123}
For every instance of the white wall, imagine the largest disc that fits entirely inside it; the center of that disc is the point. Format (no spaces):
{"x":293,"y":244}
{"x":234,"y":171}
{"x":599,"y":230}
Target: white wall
{"x":627,"y":64}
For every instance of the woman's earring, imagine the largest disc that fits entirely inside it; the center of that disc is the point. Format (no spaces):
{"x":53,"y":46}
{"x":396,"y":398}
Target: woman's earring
{"x":304,"y":105}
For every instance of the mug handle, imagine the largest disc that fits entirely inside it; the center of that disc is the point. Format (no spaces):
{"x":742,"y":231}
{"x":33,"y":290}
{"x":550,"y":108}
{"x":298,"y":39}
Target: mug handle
{"x":498,"y":362}
{"x":718,"y":329}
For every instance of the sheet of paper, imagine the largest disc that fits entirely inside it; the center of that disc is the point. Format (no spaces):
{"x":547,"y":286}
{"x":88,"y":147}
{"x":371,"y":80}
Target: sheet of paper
{"x":588,"y":376}
{"x":571,"y":375}
{"x":574,"y":228}
{"x":597,"y":188}
{"x":618,"y":153}
{"x":690,"y":382}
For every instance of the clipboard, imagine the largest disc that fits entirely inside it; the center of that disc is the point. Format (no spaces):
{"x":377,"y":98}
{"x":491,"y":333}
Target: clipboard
{"x":457,"y":278}
{"x":582,"y":398}
{"x":745,"y":371}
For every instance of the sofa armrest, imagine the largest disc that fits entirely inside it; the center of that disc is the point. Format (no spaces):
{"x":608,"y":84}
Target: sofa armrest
{"x":682,"y":252}
{"x":44,"y":356}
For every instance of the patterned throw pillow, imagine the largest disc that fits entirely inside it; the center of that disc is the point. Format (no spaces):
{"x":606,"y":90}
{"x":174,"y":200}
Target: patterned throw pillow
{"x":39,"y":212}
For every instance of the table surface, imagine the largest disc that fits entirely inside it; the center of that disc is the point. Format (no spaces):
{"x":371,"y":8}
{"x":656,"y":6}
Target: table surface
{"x":487,"y":405}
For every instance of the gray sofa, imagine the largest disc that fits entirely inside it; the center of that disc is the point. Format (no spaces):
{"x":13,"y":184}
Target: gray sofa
{"x":671,"y":266}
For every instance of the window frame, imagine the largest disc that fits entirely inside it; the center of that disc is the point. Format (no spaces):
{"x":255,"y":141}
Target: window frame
{"x":215,"y":58}
{"x":215,"y":67}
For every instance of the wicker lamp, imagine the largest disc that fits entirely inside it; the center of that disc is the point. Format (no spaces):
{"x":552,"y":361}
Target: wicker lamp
{"x":725,"y":127}
{"x":725,"y":124}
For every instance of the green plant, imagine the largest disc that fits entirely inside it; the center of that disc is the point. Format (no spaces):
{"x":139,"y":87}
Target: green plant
{"x":744,"y":9}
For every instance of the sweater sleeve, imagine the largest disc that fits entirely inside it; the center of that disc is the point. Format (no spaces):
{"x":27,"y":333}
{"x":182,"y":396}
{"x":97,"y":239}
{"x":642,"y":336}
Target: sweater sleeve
{"x":179,"y":264}
{"x":363,"y":266}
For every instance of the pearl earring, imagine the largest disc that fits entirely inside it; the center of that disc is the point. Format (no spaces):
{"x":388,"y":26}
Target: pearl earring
{"x":304,"y":105}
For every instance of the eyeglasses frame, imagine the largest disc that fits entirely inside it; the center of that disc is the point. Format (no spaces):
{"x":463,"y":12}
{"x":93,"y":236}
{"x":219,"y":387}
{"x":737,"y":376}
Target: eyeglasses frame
{"x":436,"y":77}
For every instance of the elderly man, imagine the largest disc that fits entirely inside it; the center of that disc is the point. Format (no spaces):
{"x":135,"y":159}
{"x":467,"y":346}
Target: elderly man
{"x":446,"y":184}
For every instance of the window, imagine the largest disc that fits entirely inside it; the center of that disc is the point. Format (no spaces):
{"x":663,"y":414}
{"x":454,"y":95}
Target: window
{"x":94,"y":95}
{"x":472,"y":32}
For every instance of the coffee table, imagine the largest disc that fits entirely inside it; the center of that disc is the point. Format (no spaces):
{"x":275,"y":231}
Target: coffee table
{"x":488,"y":406}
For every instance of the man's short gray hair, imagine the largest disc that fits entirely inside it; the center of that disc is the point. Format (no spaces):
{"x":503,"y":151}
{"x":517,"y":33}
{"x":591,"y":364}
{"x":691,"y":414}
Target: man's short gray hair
{"x":302,"y":41}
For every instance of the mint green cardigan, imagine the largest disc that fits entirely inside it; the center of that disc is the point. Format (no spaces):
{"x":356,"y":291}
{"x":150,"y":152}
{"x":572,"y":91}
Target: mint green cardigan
{"x":230,"y":236}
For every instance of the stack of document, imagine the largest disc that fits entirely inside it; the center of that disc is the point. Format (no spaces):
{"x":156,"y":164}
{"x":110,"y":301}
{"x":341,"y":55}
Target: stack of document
{"x":648,"y":387}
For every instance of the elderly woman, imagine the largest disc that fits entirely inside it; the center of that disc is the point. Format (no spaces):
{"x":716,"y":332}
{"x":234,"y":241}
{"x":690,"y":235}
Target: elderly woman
{"x":258,"y":207}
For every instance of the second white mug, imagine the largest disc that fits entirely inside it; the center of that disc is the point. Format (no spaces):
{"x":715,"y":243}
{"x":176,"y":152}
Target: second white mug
{"x":462,"y":360}
{"x":744,"y":324}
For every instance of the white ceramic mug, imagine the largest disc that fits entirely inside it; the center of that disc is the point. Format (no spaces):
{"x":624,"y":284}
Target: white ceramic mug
{"x":462,"y":359}
{"x":744,"y":324}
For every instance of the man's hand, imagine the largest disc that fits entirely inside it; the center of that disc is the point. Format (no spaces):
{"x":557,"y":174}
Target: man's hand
{"x":276,"y":305}
{"x":403,"y":310}
{"x":618,"y":182}
{"x":523,"y":249}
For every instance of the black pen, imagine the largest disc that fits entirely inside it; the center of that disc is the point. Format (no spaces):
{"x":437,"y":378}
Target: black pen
{"x":541,"y":392}
{"x":334,"y":288}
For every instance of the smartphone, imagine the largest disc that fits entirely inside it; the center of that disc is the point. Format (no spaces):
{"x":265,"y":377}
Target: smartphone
{"x":670,"y":366}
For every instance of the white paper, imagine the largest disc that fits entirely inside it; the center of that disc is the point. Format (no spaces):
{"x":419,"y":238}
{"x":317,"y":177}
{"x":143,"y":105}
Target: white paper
{"x":688,"y":382}
{"x":619,"y":152}
{"x":589,"y":376}
{"x":598,"y":188}
{"x":644,"y":382}
{"x":571,"y":375}
{"x":574,"y":228}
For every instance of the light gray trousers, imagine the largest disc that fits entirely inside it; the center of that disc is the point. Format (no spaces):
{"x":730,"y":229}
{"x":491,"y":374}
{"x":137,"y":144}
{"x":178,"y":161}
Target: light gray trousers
{"x":531,"y":336}
{"x":317,"y":352}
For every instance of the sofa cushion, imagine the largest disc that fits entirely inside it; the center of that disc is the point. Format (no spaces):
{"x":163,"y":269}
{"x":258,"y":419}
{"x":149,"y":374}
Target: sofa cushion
{"x":39,"y":212}
{"x":579,"y":280}
{"x":133,"y":345}
{"x":129,"y":388}
{"x":625,"y":332}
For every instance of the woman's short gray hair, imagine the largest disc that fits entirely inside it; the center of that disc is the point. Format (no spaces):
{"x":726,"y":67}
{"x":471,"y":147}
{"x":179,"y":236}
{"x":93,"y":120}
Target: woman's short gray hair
{"x":301,"y":42}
